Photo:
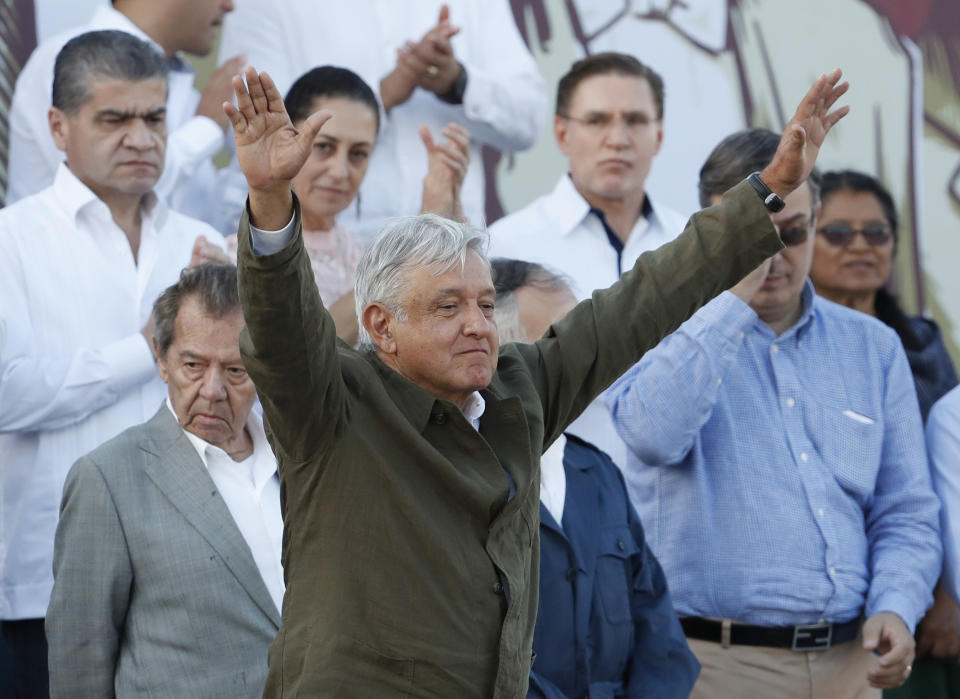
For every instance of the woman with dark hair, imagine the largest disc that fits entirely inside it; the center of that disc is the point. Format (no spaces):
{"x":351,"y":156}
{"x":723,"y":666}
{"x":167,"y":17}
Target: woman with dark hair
{"x":852,"y":259}
{"x":330,"y":179}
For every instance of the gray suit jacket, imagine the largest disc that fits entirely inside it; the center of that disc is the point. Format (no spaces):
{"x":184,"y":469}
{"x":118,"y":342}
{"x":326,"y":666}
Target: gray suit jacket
{"x":156,"y":593}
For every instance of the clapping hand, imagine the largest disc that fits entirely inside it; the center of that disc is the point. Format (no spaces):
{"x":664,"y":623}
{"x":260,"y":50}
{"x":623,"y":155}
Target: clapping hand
{"x":269,"y":149}
{"x":447,"y":164}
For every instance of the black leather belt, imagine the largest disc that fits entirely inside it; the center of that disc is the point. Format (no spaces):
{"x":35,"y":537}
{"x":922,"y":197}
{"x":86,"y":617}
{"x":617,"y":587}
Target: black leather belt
{"x":808,"y":637}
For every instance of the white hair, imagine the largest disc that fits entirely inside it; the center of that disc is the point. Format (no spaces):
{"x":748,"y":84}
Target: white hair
{"x":403,"y":245}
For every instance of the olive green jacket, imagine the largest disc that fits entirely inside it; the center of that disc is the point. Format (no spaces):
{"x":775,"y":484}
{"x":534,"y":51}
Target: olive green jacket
{"x":409,"y":570}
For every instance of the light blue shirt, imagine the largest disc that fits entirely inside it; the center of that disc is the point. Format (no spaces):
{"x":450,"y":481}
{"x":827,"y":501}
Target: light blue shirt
{"x":782,"y":479}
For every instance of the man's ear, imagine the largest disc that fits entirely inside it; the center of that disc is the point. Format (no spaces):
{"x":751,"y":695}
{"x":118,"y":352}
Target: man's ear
{"x":378,"y":321}
{"x":659,"y":135}
{"x":560,"y":131}
{"x":160,"y":359}
{"x":59,"y":127}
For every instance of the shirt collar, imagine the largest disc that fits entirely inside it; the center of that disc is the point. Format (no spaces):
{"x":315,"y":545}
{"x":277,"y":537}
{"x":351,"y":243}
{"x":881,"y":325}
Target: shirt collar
{"x":808,"y":299}
{"x":203,"y":448}
{"x":75,"y":196}
{"x":569,"y":207}
{"x":474,"y":408}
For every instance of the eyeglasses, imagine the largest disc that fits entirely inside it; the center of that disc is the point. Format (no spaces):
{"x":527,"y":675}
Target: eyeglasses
{"x":795,"y":235}
{"x":841,"y":234}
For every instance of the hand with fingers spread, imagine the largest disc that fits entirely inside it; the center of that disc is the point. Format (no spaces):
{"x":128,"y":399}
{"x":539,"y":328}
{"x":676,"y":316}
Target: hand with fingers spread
{"x":269,"y":149}
{"x":804,"y":134}
{"x":447,"y":167}
{"x":887,"y":636}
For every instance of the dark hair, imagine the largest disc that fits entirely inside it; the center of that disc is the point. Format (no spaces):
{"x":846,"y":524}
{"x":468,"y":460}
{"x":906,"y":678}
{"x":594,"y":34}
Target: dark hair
{"x":102,"y":55}
{"x":854,"y":181}
{"x":509,"y":276}
{"x":512,"y":275}
{"x":738,"y":155}
{"x":328,"y":81}
{"x":605,"y":64}
{"x":214,"y":285}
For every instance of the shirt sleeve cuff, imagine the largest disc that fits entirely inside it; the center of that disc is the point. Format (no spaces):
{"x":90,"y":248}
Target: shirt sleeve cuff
{"x":131,"y":362}
{"x":201,"y":137}
{"x":899,"y":604}
{"x":270,"y":242}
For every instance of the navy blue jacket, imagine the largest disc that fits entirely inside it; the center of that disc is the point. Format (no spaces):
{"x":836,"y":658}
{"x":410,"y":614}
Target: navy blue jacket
{"x":605,"y":625}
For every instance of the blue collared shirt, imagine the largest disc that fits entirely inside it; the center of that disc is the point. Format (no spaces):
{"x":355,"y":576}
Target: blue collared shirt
{"x":782,"y":479}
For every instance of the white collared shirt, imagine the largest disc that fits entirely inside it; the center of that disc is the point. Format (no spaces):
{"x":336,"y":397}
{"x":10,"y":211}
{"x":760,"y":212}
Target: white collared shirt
{"x":559,"y":231}
{"x":251,"y":489}
{"x":553,"y":479}
{"x":188,"y":180}
{"x":74,"y":369}
{"x":505,"y":103}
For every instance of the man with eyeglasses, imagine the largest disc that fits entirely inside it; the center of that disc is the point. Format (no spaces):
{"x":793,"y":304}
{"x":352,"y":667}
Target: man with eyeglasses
{"x":599,"y":218}
{"x":778,"y":464}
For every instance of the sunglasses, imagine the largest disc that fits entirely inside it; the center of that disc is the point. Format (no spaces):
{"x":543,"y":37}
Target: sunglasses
{"x":795,"y":235}
{"x":842,"y":234}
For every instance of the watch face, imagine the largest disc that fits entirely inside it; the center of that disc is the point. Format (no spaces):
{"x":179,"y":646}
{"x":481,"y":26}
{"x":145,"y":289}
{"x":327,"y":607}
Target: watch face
{"x":774,"y":203}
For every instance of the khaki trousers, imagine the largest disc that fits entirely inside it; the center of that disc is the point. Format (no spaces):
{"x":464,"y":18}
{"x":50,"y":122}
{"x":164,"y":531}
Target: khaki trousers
{"x":755,"y":672}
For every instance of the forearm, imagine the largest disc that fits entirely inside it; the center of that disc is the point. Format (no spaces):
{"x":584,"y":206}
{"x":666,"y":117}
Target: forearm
{"x":602,"y":337}
{"x":662,"y":402}
{"x":289,"y":343}
{"x":39,"y":392}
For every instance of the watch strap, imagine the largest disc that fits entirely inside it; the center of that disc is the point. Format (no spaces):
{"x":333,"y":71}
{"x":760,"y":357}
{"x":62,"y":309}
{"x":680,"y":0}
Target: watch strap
{"x":771,"y":199}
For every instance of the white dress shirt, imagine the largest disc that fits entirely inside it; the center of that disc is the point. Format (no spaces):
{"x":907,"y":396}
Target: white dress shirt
{"x":559,"y":231}
{"x":251,"y":489}
{"x":505,"y":104}
{"x":553,"y":479}
{"x":74,"y":369}
{"x":188,"y":180}
{"x":943,"y":447}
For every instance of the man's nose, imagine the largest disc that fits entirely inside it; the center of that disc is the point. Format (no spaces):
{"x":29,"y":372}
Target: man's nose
{"x":212,"y":387}
{"x":476,"y":323}
{"x":138,"y":135}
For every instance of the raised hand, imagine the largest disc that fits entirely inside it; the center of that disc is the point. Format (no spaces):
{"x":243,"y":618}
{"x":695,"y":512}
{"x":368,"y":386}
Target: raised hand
{"x":429,"y":63}
{"x":269,"y":149}
{"x":804,"y":134}
{"x":447,"y":165}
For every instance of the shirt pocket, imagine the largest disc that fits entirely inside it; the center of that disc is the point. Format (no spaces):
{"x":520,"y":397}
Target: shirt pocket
{"x":614,"y":575}
{"x":850,"y":441}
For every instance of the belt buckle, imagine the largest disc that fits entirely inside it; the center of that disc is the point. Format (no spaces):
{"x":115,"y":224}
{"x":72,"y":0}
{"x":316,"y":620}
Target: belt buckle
{"x":812,"y":637}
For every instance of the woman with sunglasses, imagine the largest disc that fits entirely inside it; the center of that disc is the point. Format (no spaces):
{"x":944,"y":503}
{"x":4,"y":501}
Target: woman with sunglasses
{"x":852,"y":259}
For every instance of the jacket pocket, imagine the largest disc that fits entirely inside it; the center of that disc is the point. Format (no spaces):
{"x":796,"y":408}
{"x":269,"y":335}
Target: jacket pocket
{"x":613,"y":580}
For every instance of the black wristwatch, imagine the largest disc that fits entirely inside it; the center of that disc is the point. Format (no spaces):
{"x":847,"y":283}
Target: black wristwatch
{"x":455,"y":94}
{"x":770,"y":198}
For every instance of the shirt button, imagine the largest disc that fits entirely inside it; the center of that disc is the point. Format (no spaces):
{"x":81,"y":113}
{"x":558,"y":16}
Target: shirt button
{"x":774,"y":349}
{"x":440,"y":418}
{"x":571,"y":574}
{"x":719,"y":381}
{"x":622,"y":546}
{"x":790,"y":402}
{"x":498,"y":587}
{"x":833,"y":571}
{"x":741,"y":335}
{"x":820,"y":512}
{"x":804,"y":458}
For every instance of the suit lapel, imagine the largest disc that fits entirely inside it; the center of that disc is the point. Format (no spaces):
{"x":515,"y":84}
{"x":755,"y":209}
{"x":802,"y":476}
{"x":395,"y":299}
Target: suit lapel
{"x":175,"y":467}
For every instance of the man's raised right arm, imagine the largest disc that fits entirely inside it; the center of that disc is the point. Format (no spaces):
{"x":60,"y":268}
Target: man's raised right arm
{"x":289,"y":345}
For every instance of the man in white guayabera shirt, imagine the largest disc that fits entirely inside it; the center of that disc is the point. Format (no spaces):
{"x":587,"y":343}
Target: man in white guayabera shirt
{"x":167,"y":558}
{"x":81,"y":264}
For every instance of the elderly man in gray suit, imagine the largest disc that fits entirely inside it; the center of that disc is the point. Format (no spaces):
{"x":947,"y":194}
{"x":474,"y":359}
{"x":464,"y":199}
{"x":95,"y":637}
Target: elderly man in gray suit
{"x":167,"y":576}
